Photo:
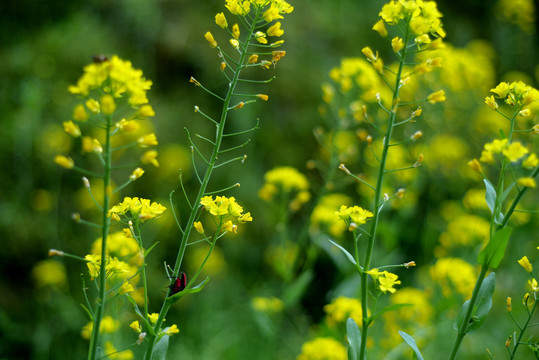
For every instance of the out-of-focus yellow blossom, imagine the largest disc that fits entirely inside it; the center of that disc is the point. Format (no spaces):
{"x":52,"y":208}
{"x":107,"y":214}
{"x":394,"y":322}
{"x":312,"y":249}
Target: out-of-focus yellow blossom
{"x":79,"y":113}
{"x":89,"y":144}
{"x":71,"y":128}
{"x":112,"y":353}
{"x":143,"y":209}
{"x":518,"y":12}
{"x":64,"y":161}
{"x":525,"y":263}
{"x":93,"y":106}
{"x":454,"y":273}
{"x":147,"y":140}
{"x":435,"y":97}
{"x":408,"y":318}
{"x":491,"y":102}
{"x":216,"y":265}
{"x":269,"y":305}
{"x":282,"y":258}
{"x":423,"y":16}
{"x":527,"y":182}
{"x":475,"y":165}
{"x":150,"y":157}
{"x":533,"y":285}
{"x":465,"y":230}
{"x":126,"y":288}
{"x":128,"y":126}
{"x":120,"y":244}
{"x":342,"y":308}
{"x":357,"y":73}
{"x":474,"y":199}
{"x":531,"y":161}
{"x":108,"y":325}
{"x":288,"y":180}
{"x":514,"y":151}
{"x":323,"y":348}
{"x":49,"y":272}
{"x":108,"y":106}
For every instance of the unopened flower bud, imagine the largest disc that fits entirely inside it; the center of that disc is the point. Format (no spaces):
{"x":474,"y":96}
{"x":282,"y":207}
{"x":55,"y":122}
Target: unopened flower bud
{"x":54,"y":252}
{"x":508,"y":302}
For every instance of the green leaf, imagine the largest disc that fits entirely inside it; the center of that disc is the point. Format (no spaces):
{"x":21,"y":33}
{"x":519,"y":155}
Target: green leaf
{"x":141,"y":315}
{"x":147,"y":252}
{"x":195,"y":289}
{"x":160,"y":349}
{"x":490,"y":197}
{"x":348,"y":255}
{"x":354,"y":339}
{"x":492,"y":255}
{"x":293,"y":293}
{"x":386,"y":309}
{"x":481,"y":308}
{"x":411,"y":342}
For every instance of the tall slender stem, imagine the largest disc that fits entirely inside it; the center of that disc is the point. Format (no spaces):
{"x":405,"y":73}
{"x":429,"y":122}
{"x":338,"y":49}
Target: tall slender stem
{"x":377,"y":203}
{"x":205,"y":180}
{"x":94,"y":340}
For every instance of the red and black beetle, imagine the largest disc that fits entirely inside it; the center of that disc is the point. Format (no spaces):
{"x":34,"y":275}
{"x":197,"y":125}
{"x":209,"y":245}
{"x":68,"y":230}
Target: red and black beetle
{"x":179,"y":284}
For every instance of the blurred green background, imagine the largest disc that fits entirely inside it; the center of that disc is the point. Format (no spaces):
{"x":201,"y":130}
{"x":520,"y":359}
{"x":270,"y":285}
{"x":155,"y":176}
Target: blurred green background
{"x":45,"y":44}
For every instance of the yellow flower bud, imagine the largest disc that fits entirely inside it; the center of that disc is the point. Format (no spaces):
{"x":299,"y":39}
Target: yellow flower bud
{"x":397,"y":44}
{"x":107,"y":104}
{"x":210,"y":39}
{"x":64,"y":161}
{"x":380,"y":28}
{"x":198,"y":226}
{"x":79,"y":113}
{"x":438,"y":96}
{"x":220,"y":20}
{"x":236,"y":31}
{"x":138,"y":172}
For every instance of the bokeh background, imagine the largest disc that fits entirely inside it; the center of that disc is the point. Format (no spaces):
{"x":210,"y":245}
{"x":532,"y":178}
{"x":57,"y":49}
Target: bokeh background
{"x":45,"y":44}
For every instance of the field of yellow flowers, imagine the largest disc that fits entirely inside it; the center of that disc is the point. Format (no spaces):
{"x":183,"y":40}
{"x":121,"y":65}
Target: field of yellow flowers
{"x":262,"y":179}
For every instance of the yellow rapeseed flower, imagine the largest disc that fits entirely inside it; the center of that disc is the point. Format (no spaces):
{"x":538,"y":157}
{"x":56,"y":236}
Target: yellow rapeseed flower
{"x":527,"y":182}
{"x":220,"y":20}
{"x":525,"y":263}
{"x":514,"y":151}
{"x":323,"y":348}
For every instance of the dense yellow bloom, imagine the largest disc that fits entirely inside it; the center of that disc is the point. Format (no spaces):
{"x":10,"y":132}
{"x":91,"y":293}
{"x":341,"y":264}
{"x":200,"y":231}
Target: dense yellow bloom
{"x":525,"y":263}
{"x":353,"y":216}
{"x":267,"y":304}
{"x":323,"y":348}
{"x":423,"y":16}
{"x":113,"y":266}
{"x":386,"y":280}
{"x":226,"y":208}
{"x":143,"y":209}
{"x":108,"y":325}
{"x":116,"y":77}
{"x":465,"y":230}
{"x":516,"y":94}
{"x":454,"y":273}
{"x":342,"y":308}
{"x":238,"y":7}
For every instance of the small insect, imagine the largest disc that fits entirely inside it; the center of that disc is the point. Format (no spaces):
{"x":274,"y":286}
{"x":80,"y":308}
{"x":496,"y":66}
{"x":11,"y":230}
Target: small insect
{"x":179,"y":284}
{"x":98,"y":59}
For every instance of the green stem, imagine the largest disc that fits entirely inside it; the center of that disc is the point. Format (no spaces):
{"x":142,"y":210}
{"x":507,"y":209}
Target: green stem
{"x":204,"y":183}
{"x":521,"y":333}
{"x":143,"y":272}
{"x":462,"y":329}
{"x":378,"y":202}
{"x":94,"y":340}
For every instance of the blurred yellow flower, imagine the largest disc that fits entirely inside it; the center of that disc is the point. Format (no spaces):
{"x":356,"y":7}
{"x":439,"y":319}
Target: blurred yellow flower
{"x":323,"y":348}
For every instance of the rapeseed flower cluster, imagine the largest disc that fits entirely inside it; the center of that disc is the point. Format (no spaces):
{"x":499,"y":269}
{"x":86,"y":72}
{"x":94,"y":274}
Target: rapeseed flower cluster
{"x":226,"y":210}
{"x":342,"y":308}
{"x":453,"y":274}
{"x":323,"y":215}
{"x":138,"y":208}
{"x":353,"y":216}
{"x":385,"y":280}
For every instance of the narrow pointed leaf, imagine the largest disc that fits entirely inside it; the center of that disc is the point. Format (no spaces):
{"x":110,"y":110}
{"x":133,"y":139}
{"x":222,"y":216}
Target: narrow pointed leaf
{"x":354,"y":339}
{"x":481,"y":308}
{"x":348,"y":255}
{"x":147,"y":252}
{"x":492,"y":255}
{"x":411,"y":342}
